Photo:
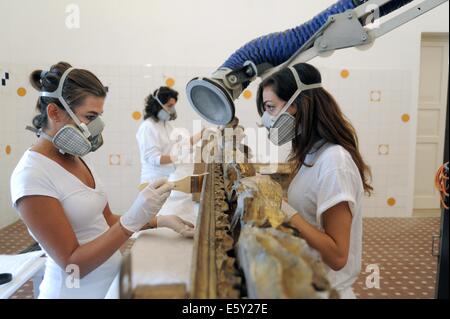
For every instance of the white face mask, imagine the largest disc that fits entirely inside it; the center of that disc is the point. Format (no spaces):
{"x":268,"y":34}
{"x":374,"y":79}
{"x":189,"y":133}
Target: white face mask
{"x":282,"y":126}
{"x":78,"y":139}
{"x":165,"y":114}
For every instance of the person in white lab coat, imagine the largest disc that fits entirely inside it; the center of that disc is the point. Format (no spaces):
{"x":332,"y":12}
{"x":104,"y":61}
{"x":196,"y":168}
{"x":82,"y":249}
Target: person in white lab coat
{"x":60,"y":197}
{"x":329,"y":174}
{"x":159,"y":151}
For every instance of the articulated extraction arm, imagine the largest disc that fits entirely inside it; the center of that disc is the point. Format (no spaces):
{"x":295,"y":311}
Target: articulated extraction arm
{"x":347,"y":23}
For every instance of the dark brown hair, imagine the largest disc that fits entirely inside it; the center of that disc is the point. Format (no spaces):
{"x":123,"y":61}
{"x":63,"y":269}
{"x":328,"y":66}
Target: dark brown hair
{"x":78,"y":85}
{"x":319,"y":117}
{"x":152,"y":107}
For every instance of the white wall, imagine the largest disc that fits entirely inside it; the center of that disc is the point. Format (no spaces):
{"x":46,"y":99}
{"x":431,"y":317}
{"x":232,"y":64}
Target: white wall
{"x":178,"y":32}
{"x":182,"y":38}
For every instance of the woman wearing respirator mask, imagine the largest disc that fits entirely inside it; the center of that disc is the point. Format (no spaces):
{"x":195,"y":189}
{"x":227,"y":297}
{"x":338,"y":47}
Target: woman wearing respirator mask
{"x":158,"y":151}
{"x":60,"y":197}
{"x":329,"y":175}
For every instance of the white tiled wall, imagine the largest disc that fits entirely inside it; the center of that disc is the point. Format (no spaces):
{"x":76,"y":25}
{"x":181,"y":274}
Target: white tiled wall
{"x":379,"y":103}
{"x":373,"y":99}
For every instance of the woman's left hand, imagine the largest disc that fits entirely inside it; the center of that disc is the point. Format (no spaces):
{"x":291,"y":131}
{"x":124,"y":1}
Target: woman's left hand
{"x":177,"y":224}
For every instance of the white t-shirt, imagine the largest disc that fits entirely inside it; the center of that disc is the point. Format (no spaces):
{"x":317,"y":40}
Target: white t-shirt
{"x":333,"y":178}
{"x":36,"y":174}
{"x":154,"y":140}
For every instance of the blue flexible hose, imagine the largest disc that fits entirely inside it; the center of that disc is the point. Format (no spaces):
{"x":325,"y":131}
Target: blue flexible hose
{"x":278,"y":47}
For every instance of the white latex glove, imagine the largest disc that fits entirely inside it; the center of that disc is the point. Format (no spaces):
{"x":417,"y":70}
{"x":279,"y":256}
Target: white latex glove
{"x":147,"y":205}
{"x":177,"y":224}
{"x":288,"y":211}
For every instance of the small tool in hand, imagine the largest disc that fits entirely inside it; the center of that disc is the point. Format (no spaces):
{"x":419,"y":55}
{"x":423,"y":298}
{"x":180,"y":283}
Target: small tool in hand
{"x":188,"y":184}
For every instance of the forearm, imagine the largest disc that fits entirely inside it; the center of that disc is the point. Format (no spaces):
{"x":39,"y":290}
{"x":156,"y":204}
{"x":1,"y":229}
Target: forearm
{"x":91,"y":255}
{"x":165,"y":159}
{"x":112,"y":219}
{"x":330,"y":252}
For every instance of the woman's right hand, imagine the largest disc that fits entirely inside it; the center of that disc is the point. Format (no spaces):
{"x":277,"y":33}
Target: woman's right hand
{"x":147,"y":205}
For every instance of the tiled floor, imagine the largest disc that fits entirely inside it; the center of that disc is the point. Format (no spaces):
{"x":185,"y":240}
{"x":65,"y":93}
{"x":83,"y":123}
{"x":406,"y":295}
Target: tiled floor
{"x":399,"y":247}
{"x":14,"y":239}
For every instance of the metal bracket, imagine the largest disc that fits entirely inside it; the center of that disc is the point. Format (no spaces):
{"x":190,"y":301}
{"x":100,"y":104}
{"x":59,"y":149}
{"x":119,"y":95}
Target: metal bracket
{"x":344,"y":30}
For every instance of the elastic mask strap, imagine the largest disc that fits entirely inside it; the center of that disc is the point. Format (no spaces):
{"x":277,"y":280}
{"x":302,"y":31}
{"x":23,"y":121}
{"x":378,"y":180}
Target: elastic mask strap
{"x":45,"y":135}
{"x":157,"y":99}
{"x":300,"y":88}
{"x":300,"y":85}
{"x":58,"y":95}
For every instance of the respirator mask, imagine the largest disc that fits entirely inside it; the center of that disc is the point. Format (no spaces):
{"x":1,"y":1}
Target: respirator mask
{"x":282,"y":126}
{"x":75,"y":139}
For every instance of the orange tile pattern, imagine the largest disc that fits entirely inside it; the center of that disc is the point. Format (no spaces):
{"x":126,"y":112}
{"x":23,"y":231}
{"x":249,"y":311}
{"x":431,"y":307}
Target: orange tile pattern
{"x":170,"y":82}
{"x":391,"y":201}
{"x":247,"y":94}
{"x":345,"y":73}
{"x":136,"y":115}
{"x":21,"y":91}
{"x":406,"y":118}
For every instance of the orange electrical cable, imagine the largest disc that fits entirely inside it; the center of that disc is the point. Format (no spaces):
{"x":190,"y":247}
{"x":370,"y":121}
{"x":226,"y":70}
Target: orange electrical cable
{"x":441,"y":183}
